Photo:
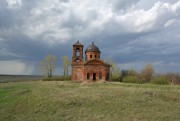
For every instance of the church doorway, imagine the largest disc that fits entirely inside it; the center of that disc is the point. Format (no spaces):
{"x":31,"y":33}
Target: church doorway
{"x":94,"y":76}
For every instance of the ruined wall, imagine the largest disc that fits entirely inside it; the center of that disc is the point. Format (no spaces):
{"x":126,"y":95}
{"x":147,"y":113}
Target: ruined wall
{"x":98,"y":70}
{"x":77,"y":73}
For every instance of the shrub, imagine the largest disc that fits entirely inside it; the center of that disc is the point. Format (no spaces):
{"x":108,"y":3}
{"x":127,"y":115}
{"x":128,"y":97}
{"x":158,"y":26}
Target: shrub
{"x":147,"y":73}
{"x":57,"y":78}
{"x":46,"y":79}
{"x":173,"y":77}
{"x":162,"y":80}
{"x":124,"y":73}
{"x":67,"y":78}
{"x":132,"y":79}
{"x":129,"y":72}
{"x":118,"y":79}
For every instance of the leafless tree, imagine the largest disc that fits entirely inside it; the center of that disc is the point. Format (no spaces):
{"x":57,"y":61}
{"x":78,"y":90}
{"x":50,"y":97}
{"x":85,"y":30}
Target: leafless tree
{"x":66,"y":64}
{"x":114,"y":70}
{"x":48,"y":65}
{"x":147,"y":73}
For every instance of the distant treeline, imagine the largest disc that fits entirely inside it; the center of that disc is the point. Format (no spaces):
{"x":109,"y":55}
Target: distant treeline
{"x":147,"y":75}
{"x":15,"y":78}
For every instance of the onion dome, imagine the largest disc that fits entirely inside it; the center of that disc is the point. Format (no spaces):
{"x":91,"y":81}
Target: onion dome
{"x":93,"y":48}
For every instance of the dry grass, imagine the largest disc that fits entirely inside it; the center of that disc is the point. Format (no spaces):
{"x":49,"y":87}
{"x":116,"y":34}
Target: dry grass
{"x":67,"y":101}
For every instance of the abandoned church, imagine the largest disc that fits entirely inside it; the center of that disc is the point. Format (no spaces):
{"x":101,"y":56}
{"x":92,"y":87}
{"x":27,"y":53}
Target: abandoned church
{"x":90,"y":69}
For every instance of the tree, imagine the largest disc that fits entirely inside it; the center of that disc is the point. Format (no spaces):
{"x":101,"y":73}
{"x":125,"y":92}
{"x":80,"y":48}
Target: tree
{"x":124,"y":73}
{"x":48,"y":65}
{"x":147,"y":73}
{"x":66,"y":64}
{"x":114,"y":70}
{"x":129,"y":72}
{"x":173,"y":77}
{"x":132,"y":72}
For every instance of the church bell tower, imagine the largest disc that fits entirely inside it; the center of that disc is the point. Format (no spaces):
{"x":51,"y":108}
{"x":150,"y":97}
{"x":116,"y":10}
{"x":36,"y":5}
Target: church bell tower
{"x":77,"y":62}
{"x":77,"y":54}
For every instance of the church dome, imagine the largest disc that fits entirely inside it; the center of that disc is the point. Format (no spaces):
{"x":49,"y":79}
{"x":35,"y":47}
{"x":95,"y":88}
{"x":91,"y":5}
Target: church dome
{"x":93,"y":48}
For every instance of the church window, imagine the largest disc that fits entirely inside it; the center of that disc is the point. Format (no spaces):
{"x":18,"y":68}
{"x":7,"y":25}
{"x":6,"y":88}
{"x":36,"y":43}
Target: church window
{"x":88,"y":76}
{"x":90,"y":56}
{"x":77,"y":52}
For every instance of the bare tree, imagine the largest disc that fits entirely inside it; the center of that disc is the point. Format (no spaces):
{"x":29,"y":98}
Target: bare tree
{"x":147,"y":73}
{"x":114,"y":70}
{"x":48,"y":65}
{"x":173,"y":77}
{"x":66,"y":64}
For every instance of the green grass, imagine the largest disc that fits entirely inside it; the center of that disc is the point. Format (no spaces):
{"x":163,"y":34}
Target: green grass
{"x":68,"y":101}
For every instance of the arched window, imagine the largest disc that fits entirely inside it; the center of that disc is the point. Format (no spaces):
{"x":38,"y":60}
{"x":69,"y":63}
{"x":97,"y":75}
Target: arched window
{"x":95,"y":56}
{"x":77,"y":52}
{"x":90,"y":56}
{"x":88,"y":76}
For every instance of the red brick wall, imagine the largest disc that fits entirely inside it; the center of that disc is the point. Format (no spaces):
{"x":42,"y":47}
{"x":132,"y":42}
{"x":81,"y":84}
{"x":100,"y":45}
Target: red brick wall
{"x":80,"y":57}
{"x":77,"y":73}
{"x":88,"y":54}
{"x":95,"y":69}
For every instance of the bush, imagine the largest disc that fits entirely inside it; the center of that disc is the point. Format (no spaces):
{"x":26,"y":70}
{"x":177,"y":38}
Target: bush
{"x":57,"y":78}
{"x":173,"y":77}
{"x":130,"y":72}
{"x":160,"y":80}
{"x":67,"y":78}
{"x":132,"y":79}
{"x":118,"y":79}
{"x":147,"y":73}
{"x":124,"y":73}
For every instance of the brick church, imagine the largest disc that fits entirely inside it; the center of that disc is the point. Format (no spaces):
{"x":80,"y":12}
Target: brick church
{"x":90,"y":69}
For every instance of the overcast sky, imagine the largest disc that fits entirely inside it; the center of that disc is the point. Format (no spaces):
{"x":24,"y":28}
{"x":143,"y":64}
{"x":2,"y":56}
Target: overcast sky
{"x":132,"y":32}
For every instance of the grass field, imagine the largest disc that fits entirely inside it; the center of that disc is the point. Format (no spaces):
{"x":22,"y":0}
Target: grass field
{"x":68,"y":101}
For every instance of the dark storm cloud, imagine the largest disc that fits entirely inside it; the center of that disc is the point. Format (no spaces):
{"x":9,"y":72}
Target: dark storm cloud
{"x":33,"y":50}
{"x":125,"y":30}
{"x":15,"y":17}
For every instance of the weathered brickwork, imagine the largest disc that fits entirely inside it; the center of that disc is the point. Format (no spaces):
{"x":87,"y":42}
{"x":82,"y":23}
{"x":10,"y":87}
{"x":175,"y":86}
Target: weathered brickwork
{"x":90,"y":69}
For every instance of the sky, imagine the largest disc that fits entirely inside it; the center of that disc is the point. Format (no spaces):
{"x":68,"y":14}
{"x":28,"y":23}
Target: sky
{"x":131,"y":32}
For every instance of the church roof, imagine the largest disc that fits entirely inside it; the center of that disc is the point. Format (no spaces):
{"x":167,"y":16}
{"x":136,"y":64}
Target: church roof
{"x":92,"y":48}
{"x":78,"y":43}
{"x":96,"y":62}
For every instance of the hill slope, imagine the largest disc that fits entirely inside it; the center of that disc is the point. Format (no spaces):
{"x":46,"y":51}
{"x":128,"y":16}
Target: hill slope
{"x":66,"y":101}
